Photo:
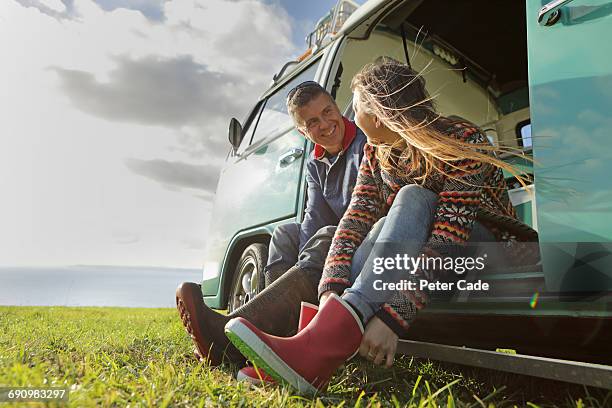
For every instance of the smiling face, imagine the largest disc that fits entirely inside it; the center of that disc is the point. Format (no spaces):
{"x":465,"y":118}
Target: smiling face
{"x":320,"y":120}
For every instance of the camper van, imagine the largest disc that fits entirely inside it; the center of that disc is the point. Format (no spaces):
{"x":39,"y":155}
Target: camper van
{"x":535,"y":75}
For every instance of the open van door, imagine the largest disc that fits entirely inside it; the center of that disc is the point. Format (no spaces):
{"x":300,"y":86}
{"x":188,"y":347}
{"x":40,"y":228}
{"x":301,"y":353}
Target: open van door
{"x":570,"y":86}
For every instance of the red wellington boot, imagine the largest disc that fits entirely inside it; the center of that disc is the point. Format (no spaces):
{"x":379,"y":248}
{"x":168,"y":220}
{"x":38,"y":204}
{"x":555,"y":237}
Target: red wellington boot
{"x":307,"y":312}
{"x":257,"y":376}
{"x":307,"y":360}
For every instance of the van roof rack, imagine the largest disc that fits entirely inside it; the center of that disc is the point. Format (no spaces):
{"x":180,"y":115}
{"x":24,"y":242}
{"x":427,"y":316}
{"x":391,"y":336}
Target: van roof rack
{"x":325,"y":29}
{"x":330,"y":24}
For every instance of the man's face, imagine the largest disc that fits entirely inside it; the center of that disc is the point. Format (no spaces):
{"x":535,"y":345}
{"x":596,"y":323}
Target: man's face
{"x":320,"y":120}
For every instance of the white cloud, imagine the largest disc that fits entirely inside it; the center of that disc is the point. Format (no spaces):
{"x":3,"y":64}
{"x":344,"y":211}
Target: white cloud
{"x":152,"y":9}
{"x":55,"y":5}
{"x":59,"y":9}
{"x":94,"y":102}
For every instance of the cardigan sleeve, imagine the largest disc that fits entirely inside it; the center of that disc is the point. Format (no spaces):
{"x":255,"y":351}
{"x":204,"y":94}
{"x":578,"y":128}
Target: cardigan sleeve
{"x":459,"y":199}
{"x":363,"y":211}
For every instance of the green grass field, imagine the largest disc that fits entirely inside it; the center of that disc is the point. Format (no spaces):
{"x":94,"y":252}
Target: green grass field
{"x":143,"y":357}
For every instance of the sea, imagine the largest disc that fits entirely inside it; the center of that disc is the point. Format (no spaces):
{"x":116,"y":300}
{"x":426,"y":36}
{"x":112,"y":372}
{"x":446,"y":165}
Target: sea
{"x":92,"y":285}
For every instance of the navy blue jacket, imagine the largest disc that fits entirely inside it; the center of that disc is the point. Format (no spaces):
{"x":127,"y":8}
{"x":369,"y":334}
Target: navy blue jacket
{"x":330,"y":182}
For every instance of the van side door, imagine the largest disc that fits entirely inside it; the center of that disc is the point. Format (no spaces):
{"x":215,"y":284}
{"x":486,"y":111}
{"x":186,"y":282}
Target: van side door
{"x":570,"y":86}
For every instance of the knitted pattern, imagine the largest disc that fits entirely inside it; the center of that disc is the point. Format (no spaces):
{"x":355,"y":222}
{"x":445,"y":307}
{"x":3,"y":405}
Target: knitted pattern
{"x":477,"y":191}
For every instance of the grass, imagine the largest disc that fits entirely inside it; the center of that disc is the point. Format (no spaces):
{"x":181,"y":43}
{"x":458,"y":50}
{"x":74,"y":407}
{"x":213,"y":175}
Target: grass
{"x":142,"y":357}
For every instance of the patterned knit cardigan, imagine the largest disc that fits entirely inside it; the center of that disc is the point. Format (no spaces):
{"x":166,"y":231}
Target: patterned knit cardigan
{"x":477,"y":192}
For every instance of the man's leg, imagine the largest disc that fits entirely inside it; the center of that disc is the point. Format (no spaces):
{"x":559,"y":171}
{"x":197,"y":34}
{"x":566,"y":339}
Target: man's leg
{"x":283,"y":251}
{"x":276,"y":309}
{"x":315,"y":250}
{"x":311,"y":257}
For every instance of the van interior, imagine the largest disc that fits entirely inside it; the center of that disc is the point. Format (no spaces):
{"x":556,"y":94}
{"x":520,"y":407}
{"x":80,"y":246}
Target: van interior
{"x":473,"y":56}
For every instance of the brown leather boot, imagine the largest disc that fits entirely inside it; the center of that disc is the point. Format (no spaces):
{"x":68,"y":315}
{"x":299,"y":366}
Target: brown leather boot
{"x":276,"y":310}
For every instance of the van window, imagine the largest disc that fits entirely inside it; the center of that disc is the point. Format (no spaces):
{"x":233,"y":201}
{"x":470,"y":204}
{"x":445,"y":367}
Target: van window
{"x":274,"y":116}
{"x":524,"y":129}
{"x":249,"y":126}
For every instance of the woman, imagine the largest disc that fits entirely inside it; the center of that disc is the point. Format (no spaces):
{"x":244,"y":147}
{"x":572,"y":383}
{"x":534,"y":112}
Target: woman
{"x":427,"y":184}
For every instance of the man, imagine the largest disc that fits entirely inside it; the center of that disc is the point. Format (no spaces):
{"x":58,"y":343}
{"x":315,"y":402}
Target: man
{"x":297,"y":251}
{"x":331,"y":175}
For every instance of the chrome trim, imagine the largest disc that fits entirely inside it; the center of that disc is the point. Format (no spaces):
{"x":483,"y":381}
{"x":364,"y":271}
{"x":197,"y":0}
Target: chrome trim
{"x":549,"y":13}
{"x":291,"y":156}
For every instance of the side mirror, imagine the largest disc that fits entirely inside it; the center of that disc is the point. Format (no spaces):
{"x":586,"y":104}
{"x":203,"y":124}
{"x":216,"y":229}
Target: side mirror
{"x":235,"y":133}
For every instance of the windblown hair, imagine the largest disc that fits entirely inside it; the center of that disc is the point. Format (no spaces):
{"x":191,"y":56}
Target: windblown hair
{"x":396,"y":95}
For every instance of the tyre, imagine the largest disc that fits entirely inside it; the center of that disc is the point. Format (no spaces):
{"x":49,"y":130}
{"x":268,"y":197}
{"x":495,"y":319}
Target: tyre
{"x":248,"y":279}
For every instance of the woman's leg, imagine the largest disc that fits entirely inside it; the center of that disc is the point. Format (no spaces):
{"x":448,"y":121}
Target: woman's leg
{"x":362,"y":253}
{"x":404,"y":231}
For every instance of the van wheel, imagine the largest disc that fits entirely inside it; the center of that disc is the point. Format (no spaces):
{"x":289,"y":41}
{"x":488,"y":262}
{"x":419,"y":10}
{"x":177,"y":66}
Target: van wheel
{"x":248,"y":278}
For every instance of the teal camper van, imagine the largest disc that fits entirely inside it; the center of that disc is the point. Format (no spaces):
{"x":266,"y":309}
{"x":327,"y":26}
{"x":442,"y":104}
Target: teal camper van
{"x":534,"y":74}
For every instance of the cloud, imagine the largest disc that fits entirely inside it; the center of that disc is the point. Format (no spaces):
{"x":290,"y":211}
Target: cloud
{"x":58,"y":9}
{"x":192,"y":70}
{"x":208,"y":142}
{"x":177,"y":174}
{"x":255,"y":21}
{"x":171,"y":92}
{"x":122,"y":117}
{"x":206,"y":63}
{"x":65,"y":9}
{"x":152,"y":9}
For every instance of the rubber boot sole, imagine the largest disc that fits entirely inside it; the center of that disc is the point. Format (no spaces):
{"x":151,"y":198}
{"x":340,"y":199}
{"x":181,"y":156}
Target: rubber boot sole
{"x":257,"y":382}
{"x":187,"y":314}
{"x":253,"y":348}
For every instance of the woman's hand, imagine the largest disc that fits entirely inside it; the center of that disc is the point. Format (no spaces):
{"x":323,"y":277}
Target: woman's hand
{"x":379,"y":342}
{"x":324,"y":297}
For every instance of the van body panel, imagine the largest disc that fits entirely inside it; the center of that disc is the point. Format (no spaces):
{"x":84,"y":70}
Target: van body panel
{"x":359,"y":23}
{"x":570,"y":84}
{"x":216,"y":298}
{"x":245,"y":184}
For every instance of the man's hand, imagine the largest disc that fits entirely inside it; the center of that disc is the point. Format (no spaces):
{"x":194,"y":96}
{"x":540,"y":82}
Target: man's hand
{"x":324,"y":297}
{"x":379,"y":342}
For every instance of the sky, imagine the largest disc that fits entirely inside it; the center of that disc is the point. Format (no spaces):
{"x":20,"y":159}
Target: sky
{"x":114,"y":119}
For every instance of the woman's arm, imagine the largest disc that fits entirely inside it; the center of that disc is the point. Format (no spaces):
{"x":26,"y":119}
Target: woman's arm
{"x":363,"y":211}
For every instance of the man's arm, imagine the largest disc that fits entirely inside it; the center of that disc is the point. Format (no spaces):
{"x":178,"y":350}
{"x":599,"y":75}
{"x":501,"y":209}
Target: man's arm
{"x":318,"y":213}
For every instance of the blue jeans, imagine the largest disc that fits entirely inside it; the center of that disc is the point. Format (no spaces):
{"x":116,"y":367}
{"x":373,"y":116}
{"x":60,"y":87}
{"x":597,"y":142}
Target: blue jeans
{"x":284,"y":250}
{"x":407,"y":226}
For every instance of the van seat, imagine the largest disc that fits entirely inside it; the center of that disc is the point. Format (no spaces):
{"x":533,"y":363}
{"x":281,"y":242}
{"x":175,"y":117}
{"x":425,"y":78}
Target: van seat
{"x":523,"y":200}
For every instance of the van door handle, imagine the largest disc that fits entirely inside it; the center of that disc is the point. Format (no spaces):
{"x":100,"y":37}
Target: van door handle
{"x":290,"y":156}
{"x":550,"y":13}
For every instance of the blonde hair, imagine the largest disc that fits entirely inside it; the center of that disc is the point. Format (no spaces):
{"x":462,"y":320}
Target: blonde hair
{"x":396,"y":95}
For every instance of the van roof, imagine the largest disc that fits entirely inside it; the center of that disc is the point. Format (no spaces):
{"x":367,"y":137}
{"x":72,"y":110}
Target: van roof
{"x":368,"y":9}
